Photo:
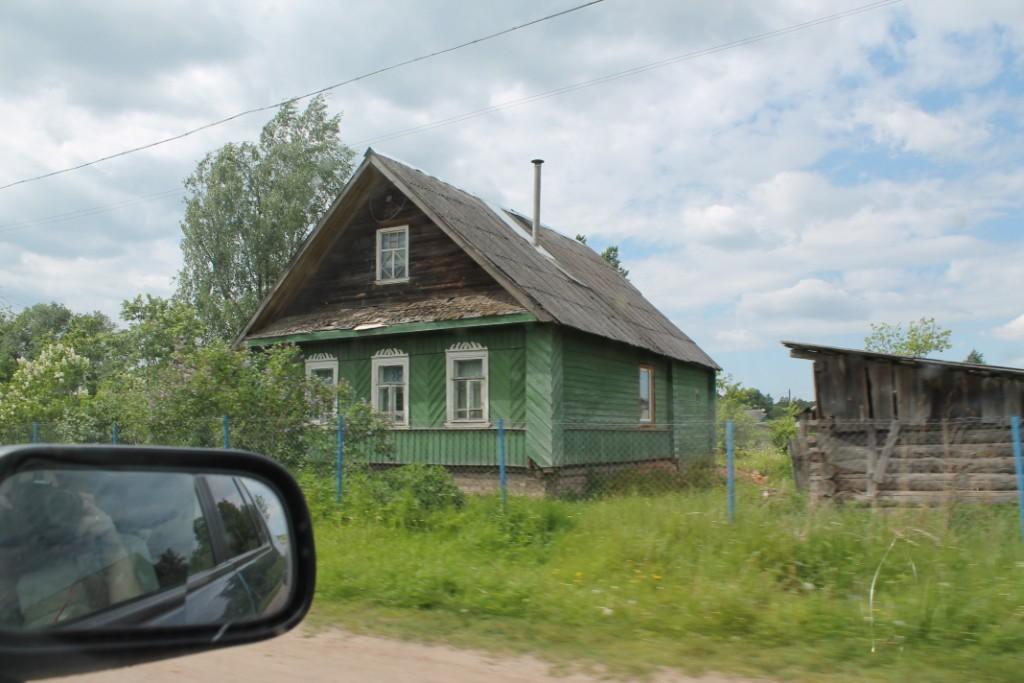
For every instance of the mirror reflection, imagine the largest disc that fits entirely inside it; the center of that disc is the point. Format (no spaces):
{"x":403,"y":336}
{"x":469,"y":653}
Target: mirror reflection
{"x":88,"y":549}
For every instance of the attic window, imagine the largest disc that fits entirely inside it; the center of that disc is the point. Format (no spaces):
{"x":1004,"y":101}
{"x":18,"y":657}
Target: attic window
{"x":393,"y":254}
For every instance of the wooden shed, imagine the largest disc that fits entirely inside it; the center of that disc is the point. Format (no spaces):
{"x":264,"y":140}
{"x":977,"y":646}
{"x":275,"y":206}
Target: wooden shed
{"x":899,"y":429}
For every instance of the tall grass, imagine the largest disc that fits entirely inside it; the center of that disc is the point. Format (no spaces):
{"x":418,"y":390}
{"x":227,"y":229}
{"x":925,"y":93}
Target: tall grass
{"x":640,"y":582}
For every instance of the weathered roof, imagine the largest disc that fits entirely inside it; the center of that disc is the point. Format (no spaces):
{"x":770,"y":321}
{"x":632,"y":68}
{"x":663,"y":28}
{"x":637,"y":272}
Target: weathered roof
{"x":810,"y":351}
{"x":560,"y":279}
{"x":436,"y":309}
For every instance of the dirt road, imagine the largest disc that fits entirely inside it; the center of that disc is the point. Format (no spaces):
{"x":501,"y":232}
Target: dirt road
{"x":340,"y":657}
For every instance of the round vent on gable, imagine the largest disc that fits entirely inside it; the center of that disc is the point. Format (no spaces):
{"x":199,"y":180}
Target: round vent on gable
{"x":387,"y":206}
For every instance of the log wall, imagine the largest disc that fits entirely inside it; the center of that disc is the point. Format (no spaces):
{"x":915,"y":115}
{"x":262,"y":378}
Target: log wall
{"x":899,"y":462}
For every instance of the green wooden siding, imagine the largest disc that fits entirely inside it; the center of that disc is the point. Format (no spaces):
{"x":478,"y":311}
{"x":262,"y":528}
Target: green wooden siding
{"x":466,"y":447}
{"x":585,"y":445}
{"x":567,"y":398}
{"x":427,"y":440}
{"x":602,"y":382}
{"x":544,"y":394}
{"x":602,"y":404}
{"x":693,"y":391}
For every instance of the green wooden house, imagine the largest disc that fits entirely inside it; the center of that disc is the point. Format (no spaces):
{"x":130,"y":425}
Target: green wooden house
{"x":449,"y":314}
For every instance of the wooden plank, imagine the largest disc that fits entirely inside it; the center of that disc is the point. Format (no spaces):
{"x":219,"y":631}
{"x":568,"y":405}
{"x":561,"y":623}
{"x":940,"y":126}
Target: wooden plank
{"x":872,"y":459}
{"x":992,"y":403}
{"x":904,"y":387}
{"x":851,"y":389}
{"x":932,"y":498}
{"x":1003,"y":465}
{"x":798,"y":453}
{"x":844,"y":453}
{"x":879,"y":376}
{"x":878,"y":475}
{"x":930,"y":481}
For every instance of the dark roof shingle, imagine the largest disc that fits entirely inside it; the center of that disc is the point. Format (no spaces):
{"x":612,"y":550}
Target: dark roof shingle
{"x":566,"y":279}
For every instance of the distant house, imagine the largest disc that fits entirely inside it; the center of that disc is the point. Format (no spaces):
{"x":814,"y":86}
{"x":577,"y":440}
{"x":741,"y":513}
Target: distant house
{"x":447,"y":314}
{"x":899,"y":429}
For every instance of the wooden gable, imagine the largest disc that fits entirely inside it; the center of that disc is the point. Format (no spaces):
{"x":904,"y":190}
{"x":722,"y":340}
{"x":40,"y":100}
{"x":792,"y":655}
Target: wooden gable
{"x":342,"y":291}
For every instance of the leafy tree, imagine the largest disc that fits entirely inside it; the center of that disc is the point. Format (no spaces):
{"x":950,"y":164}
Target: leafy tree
{"x":734,"y":404}
{"x":921,"y":338}
{"x":976,"y":357}
{"x":27,"y":333}
{"x":157,"y":329}
{"x":248,"y":208}
{"x":610,"y":255}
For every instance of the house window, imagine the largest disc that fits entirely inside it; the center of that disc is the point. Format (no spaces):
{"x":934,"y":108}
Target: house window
{"x":467,"y":386}
{"x":393,"y":254}
{"x":391,"y":386}
{"x":646,"y":394}
{"x":323,"y":368}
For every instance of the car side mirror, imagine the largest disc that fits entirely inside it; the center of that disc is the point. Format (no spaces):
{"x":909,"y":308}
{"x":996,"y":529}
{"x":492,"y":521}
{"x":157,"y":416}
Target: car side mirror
{"x":116,"y":555}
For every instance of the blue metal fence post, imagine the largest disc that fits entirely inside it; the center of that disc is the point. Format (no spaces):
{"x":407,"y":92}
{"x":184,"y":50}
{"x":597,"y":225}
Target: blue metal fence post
{"x":35,"y":432}
{"x":115,"y":433}
{"x":1018,"y":460}
{"x":502,"y":474}
{"x":730,"y":471}
{"x":227,"y":432}
{"x":341,"y":455}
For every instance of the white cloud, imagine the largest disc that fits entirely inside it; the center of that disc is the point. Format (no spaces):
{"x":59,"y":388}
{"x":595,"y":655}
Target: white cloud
{"x":1013,"y":330}
{"x":799,"y":186}
{"x":910,"y":129}
{"x":736,"y":340}
{"x":809,"y":298}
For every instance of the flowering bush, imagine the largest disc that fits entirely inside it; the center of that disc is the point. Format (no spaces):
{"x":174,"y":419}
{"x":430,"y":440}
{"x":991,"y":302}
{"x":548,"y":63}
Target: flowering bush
{"x":44,"y":390}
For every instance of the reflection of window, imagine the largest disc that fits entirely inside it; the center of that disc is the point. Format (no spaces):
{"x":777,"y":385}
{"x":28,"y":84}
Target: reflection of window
{"x":240,"y":532}
{"x":467,"y":387}
{"x":393,"y":254}
{"x":646,"y":393}
{"x":390,"y":380}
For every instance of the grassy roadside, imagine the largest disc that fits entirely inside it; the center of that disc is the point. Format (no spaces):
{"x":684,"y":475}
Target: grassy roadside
{"x":633,"y":583}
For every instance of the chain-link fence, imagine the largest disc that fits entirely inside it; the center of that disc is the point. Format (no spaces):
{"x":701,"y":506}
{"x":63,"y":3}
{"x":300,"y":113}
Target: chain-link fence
{"x":909,"y":462}
{"x":554,"y":459}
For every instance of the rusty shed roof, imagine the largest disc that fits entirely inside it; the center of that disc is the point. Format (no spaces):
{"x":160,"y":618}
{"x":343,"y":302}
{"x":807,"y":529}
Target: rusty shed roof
{"x":810,"y":351}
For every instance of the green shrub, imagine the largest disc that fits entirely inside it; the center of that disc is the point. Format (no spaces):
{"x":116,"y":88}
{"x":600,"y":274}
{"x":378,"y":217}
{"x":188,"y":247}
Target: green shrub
{"x":404,"y":497}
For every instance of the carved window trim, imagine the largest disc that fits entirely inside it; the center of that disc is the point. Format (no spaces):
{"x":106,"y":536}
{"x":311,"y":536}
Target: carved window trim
{"x":390,"y":358}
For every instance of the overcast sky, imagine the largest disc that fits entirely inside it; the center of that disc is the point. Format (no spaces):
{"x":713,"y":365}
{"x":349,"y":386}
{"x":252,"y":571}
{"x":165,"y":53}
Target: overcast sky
{"x":801,"y":187}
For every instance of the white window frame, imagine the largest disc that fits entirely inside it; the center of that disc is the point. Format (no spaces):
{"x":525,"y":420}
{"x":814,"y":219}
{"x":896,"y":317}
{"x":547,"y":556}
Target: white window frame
{"x":323,"y":364}
{"x":321,"y":361}
{"x":404,"y":230}
{"x":378,"y":362}
{"x":450,"y":358}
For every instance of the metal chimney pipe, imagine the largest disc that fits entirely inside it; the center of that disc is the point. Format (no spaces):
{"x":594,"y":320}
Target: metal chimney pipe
{"x":536,"y":197}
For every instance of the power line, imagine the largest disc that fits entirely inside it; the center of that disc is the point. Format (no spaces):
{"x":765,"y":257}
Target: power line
{"x":522,"y":100}
{"x":626,"y":73}
{"x":312,"y":93}
{"x":88,"y":211}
